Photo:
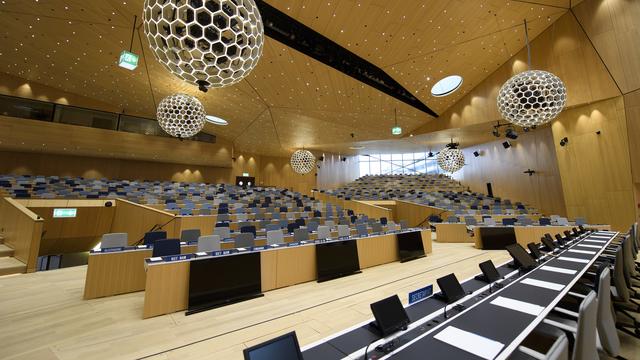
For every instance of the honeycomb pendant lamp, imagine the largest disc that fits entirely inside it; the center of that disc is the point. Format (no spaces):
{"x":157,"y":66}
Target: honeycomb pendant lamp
{"x":181,"y":115}
{"x":450,"y":159}
{"x":302,"y":161}
{"x":209,"y":43}
{"x":531,"y":98}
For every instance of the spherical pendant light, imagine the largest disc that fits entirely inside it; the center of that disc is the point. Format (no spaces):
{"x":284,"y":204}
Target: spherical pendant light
{"x":532,"y":98}
{"x":302,"y":161}
{"x":181,"y":115}
{"x":450,"y":159}
{"x":209,"y":43}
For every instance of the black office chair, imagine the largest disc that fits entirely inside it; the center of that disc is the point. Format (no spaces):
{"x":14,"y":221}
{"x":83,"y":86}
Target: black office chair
{"x":166,"y":247}
{"x":291,"y":227}
{"x":508,"y":221}
{"x":222,"y":224}
{"x":383,"y":221}
{"x":545,"y":221}
{"x":151,"y":237}
{"x":223,"y":210}
{"x":300,"y":222}
{"x":317,"y":214}
{"x":248,"y":229}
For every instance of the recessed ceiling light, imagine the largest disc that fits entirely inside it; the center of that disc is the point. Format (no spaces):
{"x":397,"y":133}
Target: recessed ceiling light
{"x":216,"y":120}
{"x":446,"y":86}
{"x":356,"y":147}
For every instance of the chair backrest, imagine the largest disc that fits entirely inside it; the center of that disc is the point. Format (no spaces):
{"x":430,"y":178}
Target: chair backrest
{"x":606,"y":322}
{"x":244,"y":240}
{"x":271,"y":227}
{"x":376,"y":228}
{"x":544,"y":221}
{"x":362,"y":229}
{"x":585,"y":343}
{"x":166,"y":247}
{"x":224,"y":232}
{"x":580,"y":221}
{"x":204,"y":211}
{"x":343,"y":231}
{"x":324,"y":232}
{"x":291,"y":227}
{"x":248,"y":229}
{"x":404,"y":224}
{"x":275,"y":236}
{"x":300,"y":235}
{"x":508,"y":221}
{"x":209,"y":243}
{"x":489,"y":221}
{"x":453,"y":219}
{"x":470,"y":220}
{"x":312,"y":226}
{"x":223,"y":217}
{"x":384,"y":220}
{"x":114,"y":240}
{"x":190,"y":235}
{"x":153,"y":236}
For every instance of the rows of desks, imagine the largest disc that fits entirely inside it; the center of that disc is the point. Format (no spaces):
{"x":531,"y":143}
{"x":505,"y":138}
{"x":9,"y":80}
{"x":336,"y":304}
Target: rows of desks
{"x":502,"y":327}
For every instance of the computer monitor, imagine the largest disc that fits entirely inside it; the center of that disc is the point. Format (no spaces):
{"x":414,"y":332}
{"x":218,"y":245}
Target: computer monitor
{"x":489,"y":271}
{"x":575,"y":231}
{"x":520,"y":256}
{"x":582,"y":229}
{"x":560,"y":239}
{"x":548,"y":243}
{"x":390,"y":315}
{"x":534,"y":250}
{"x":567,"y":234}
{"x":285,"y":347}
{"x":451,"y":288}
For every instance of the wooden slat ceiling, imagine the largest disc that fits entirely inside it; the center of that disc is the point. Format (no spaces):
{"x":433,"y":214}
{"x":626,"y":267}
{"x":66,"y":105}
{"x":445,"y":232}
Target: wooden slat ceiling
{"x":289,"y":100}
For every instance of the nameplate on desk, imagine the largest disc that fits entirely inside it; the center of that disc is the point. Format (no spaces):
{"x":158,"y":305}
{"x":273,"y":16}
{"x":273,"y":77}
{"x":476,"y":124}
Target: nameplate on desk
{"x":420,"y":294}
{"x":222,"y":252}
{"x":142,"y":247}
{"x":177,"y":257}
{"x":201,"y":253}
{"x":295,"y":243}
{"x":113,"y":249}
{"x":258,"y":248}
{"x":155,"y":259}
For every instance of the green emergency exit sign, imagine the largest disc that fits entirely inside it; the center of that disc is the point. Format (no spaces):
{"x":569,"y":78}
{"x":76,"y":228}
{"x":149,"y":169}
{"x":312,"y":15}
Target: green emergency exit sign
{"x":128,"y":60}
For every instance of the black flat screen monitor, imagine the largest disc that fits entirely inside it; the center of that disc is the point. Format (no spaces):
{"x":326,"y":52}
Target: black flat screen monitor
{"x":561,"y":240}
{"x":390,"y":315}
{"x":336,"y":259}
{"x":223,"y":280}
{"x":534,"y":250}
{"x":575,"y":231}
{"x":451,"y":288}
{"x":489,"y":271}
{"x":285,"y":347}
{"x":410,"y":246}
{"x":520,"y":256}
{"x":497,"y":238}
{"x":548,"y":243}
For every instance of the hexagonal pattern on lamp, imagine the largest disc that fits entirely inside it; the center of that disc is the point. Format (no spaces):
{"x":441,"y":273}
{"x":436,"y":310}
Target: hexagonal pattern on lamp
{"x":302,"y":161}
{"x":532,"y":98}
{"x":181,"y":115}
{"x":210,"y":43}
{"x":450,"y":160}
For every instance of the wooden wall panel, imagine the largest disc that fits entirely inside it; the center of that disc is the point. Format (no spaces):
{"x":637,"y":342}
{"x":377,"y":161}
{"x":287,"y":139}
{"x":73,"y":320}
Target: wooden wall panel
{"x":504,"y":168}
{"x":416,"y":214}
{"x":276,"y":171}
{"x":632,"y":112}
{"x":614,"y":29}
{"x":22,"y":230}
{"x":135,"y":220}
{"x":596,"y":169}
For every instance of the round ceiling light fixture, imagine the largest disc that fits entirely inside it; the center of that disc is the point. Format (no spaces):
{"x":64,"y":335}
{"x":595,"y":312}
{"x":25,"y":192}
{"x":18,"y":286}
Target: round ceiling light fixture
{"x":446,"y":85}
{"x":209,"y":43}
{"x":532,"y":98}
{"x":216,"y":120}
{"x":450,"y":159}
{"x":303,"y":161}
{"x":181,"y":115}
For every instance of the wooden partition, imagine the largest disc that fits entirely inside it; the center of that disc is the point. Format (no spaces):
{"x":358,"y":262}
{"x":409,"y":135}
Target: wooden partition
{"x":68,"y":235}
{"x":22,"y":229}
{"x":135,"y":220}
{"x":387,"y":204}
{"x":366,"y":208}
{"x":417,"y":214}
{"x":205,"y":223}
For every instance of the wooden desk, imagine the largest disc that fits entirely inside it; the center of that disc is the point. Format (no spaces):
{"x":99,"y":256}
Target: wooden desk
{"x":452,"y":233}
{"x":119,"y":272}
{"x":167,"y":283}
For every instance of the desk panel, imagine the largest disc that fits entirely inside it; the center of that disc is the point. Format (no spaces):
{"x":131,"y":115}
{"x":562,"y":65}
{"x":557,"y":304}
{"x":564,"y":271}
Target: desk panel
{"x":452,"y":233}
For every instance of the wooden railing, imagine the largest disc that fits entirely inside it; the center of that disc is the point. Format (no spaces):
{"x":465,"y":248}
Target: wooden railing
{"x":22,"y":231}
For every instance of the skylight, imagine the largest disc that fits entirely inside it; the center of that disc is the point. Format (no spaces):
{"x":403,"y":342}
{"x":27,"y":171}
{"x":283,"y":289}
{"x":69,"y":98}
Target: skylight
{"x":446,"y":86}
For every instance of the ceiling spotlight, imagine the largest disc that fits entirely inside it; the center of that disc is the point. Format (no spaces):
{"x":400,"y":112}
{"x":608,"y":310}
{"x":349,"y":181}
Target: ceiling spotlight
{"x":526,"y":129}
{"x":321,"y":158}
{"x":564,"y":141}
{"x":530,"y":172}
{"x":496,"y":133}
{"x":476,"y":153}
{"x":430,"y":154}
{"x":511,"y":134}
{"x":506,"y":144}
{"x":216,"y":120}
{"x":344,"y":159}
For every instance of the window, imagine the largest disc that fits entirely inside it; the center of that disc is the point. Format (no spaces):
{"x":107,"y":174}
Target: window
{"x":397,"y":164}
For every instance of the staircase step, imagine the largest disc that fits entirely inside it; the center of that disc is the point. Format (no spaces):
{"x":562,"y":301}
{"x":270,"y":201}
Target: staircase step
{"x":11,"y":265}
{"x":5,"y":250}
{"x":1,"y":239}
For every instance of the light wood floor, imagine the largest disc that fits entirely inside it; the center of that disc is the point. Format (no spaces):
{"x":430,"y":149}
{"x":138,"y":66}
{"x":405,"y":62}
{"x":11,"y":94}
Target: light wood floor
{"x":43,"y":316}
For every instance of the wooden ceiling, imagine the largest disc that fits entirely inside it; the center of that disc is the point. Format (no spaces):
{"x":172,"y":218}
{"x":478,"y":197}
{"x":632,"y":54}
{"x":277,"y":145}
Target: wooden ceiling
{"x":289,"y":100}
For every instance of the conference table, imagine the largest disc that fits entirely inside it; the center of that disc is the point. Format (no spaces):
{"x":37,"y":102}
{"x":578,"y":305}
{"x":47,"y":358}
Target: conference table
{"x":121,"y":270}
{"x":491,"y":325}
{"x":167,"y":280}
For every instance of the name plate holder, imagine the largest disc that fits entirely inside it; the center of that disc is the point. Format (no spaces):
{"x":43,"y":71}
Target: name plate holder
{"x":420,"y":294}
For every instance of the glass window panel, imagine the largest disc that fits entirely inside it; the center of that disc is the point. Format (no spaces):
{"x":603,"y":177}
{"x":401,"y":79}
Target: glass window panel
{"x":25,"y":108}
{"x":408,"y":156}
{"x":86,"y":117}
{"x":385,"y":167}
{"x":363,"y":158}
{"x":375,"y":168}
{"x":396,"y":157}
{"x":421,"y":167}
{"x":385,"y":157}
{"x":364,"y":168}
{"x":417,"y":156}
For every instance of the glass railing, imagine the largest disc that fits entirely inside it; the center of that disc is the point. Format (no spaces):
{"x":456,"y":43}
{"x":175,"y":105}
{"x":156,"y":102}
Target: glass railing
{"x":71,"y":115}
